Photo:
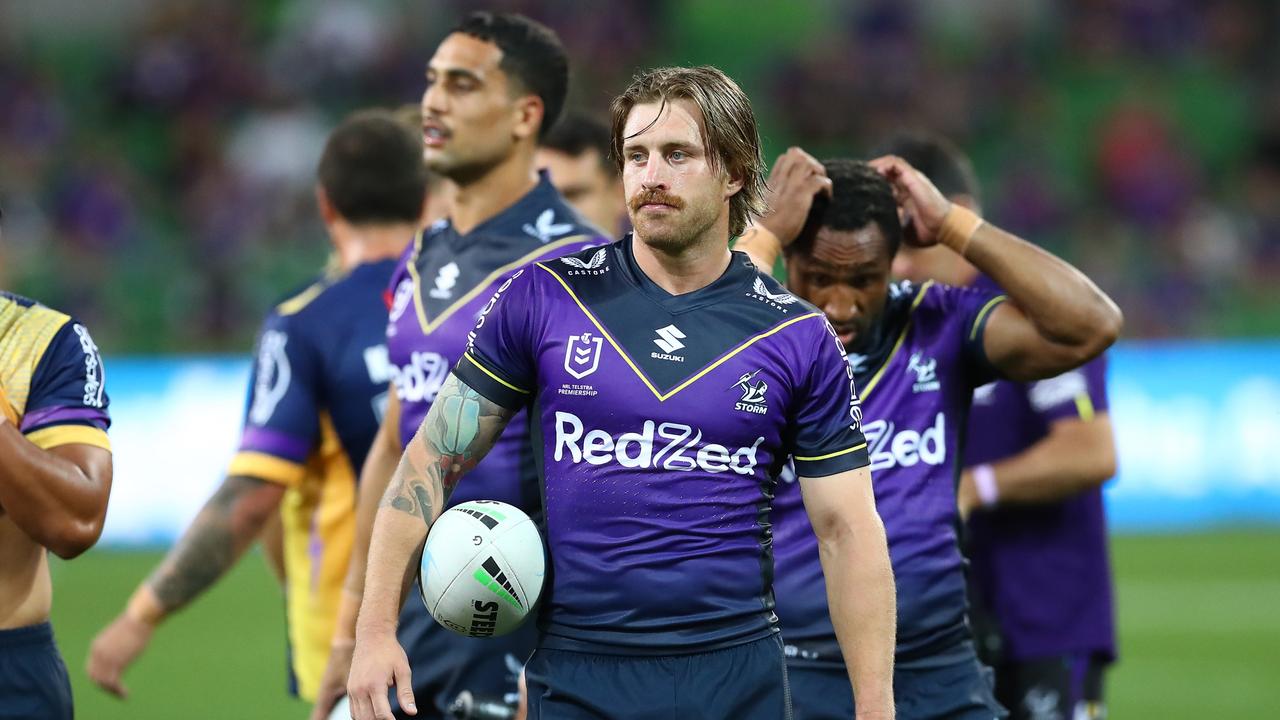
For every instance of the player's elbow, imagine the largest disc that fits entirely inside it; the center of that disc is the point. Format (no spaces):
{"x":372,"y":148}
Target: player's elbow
{"x":73,"y":537}
{"x":1105,"y":329}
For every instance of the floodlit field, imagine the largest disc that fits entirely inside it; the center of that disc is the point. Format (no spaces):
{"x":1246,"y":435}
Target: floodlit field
{"x":1199,"y":622}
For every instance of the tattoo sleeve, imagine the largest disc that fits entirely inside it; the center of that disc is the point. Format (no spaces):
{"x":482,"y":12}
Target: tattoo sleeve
{"x":460,"y":428}
{"x":225,"y":527}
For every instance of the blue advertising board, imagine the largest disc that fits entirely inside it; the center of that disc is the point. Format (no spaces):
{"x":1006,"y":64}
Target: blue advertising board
{"x":1197,"y":425}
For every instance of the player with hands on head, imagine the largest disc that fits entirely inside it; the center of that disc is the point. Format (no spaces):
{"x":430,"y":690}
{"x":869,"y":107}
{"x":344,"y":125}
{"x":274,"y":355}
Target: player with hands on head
{"x":917,"y":353}
{"x":1035,"y":458}
{"x":663,"y":433}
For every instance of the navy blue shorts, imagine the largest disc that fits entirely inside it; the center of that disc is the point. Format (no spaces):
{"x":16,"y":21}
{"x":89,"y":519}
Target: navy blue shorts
{"x":33,"y":681}
{"x":956,"y":690}
{"x":445,"y":663}
{"x":745,"y":682}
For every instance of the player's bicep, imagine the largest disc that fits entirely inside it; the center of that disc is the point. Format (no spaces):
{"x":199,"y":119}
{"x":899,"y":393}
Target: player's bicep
{"x":1018,"y":351}
{"x":1089,"y":445}
{"x":839,"y":503}
{"x":95,"y":463}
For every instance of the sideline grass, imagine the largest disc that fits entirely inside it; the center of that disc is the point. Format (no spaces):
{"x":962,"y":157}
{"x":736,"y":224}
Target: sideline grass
{"x":1199,"y":623}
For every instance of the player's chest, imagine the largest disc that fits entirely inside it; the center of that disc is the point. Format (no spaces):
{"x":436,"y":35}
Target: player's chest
{"x":913,"y":405}
{"x":449,"y":271}
{"x":591,"y":381}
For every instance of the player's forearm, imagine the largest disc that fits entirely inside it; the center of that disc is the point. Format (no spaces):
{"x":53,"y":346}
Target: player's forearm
{"x":225,"y":527}
{"x":50,"y":498}
{"x":375,"y":476}
{"x":762,"y":246}
{"x":1064,"y":305}
{"x":1074,"y":457}
{"x":860,"y":592}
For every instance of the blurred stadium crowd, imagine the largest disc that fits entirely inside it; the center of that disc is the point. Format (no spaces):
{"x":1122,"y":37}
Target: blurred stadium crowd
{"x":157,"y":158}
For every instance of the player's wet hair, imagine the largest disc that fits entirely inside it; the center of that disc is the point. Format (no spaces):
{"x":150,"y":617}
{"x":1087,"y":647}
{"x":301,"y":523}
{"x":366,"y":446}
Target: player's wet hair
{"x":859,"y":197}
{"x":532,"y":56}
{"x":372,"y":171}
{"x":578,"y":132}
{"x":728,"y":128}
{"x":937,"y":158}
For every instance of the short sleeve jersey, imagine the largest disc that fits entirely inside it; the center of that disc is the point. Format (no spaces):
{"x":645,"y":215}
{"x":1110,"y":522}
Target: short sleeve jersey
{"x":51,"y":375}
{"x":317,"y":393}
{"x":1042,"y":571}
{"x":661,"y":423}
{"x":917,"y":378}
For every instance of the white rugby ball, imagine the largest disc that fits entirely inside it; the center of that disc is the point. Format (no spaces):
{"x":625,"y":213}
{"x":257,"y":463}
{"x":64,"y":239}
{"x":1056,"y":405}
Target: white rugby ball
{"x":482,"y":568}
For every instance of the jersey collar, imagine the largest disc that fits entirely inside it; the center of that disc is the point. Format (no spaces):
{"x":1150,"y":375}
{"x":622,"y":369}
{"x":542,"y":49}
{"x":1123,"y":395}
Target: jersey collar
{"x":733,"y":281}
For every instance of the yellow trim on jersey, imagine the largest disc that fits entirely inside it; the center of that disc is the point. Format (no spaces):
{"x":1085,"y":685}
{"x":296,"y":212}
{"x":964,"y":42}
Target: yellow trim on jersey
{"x":875,"y":379}
{"x":486,"y":371}
{"x":430,"y":326}
{"x":1084,"y":406}
{"x":318,"y":516}
{"x":266,"y":467}
{"x":51,"y":437}
{"x":295,"y":304}
{"x":828,"y":456}
{"x":973,"y":332}
{"x":663,"y":397}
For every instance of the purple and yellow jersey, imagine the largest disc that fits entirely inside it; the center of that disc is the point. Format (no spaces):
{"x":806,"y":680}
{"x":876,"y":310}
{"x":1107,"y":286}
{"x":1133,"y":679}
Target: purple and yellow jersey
{"x":316,"y":396}
{"x":660,"y":424}
{"x":440,"y":286}
{"x":926,"y":358}
{"x":52,"y":375}
{"x":1041,"y":571}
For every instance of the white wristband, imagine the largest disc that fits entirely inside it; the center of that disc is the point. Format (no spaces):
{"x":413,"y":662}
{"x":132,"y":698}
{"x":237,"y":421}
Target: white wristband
{"x":984,"y":481}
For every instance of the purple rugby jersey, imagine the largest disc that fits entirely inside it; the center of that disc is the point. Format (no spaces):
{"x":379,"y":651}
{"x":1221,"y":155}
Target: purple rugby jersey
{"x":1042,"y":571}
{"x":442,"y":282}
{"x":661,"y":423}
{"x":917,"y":379}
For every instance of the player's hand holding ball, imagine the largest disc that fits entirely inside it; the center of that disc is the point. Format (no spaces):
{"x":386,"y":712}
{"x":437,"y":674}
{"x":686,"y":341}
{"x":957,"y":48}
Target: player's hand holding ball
{"x":377,"y":664}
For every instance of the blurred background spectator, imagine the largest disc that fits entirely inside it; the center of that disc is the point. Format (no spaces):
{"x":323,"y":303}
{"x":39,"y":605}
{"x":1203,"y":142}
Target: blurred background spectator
{"x":157,"y":157}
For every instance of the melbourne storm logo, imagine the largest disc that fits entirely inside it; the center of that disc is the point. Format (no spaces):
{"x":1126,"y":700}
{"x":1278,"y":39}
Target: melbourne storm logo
{"x":926,"y":370}
{"x":753,"y":399}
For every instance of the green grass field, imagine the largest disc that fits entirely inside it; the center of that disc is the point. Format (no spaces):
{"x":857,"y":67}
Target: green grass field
{"x":1199,"y":623}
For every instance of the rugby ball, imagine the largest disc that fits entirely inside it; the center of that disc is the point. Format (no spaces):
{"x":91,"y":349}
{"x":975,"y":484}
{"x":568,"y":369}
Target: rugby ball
{"x":482,"y":568}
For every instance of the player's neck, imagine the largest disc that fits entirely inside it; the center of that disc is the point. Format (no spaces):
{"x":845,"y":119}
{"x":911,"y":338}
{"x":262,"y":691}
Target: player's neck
{"x":360,"y":244}
{"x":495,"y":191}
{"x":697,"y":266}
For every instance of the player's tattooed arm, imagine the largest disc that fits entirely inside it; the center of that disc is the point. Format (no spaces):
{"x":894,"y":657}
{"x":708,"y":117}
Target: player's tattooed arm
{"x":225,"y":527}
{"x":460,"y":428}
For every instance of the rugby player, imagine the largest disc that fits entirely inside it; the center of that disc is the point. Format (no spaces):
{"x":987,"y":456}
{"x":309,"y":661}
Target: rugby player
{"x":55,"y":476}
{"x":1035,"y":459}
{"x":669,"y":385}
{"x":316,"y":393}
{"x":495,"y":85}
{"x":917,"y":352}
{"x":576,"y":156}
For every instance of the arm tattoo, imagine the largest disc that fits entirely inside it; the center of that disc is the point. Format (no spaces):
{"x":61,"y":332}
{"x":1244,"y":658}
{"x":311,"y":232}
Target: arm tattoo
{"x":459,"y":430}
{"x":227,"y":525}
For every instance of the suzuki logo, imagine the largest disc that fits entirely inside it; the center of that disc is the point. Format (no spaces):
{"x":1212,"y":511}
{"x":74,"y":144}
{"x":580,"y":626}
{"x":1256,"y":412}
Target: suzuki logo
{"x":582,"y":355}
{"x":669,"y":339}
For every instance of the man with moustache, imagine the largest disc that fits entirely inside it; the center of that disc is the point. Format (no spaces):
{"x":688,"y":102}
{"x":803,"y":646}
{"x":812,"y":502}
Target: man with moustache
{"x":706,"y":375}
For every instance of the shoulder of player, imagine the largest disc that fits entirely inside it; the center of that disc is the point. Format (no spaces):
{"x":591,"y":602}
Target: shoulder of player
{"x":37,"y":324}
